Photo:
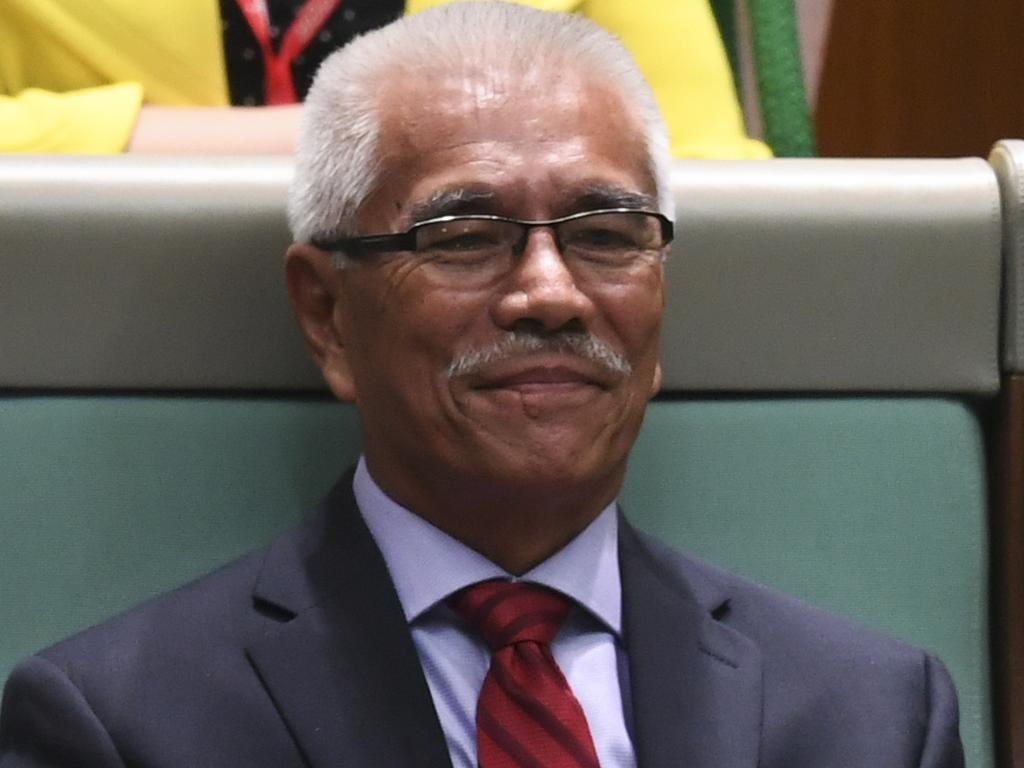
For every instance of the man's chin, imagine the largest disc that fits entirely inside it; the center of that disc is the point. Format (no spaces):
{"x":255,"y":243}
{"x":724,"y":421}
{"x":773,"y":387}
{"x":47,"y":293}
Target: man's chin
{"x":563,"y":455}
{"x":544,"y":438}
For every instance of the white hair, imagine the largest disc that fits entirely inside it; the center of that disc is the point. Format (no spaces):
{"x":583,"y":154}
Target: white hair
{"x":337,"y":162}
{"x":514,"y":344}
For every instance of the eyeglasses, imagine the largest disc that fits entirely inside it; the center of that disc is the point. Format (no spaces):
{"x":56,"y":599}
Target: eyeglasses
{"x":484,"y":246}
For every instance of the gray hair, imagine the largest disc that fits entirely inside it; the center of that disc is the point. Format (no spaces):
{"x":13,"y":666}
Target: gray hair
{"x":515,"y":344}
{"x":337,"y":163}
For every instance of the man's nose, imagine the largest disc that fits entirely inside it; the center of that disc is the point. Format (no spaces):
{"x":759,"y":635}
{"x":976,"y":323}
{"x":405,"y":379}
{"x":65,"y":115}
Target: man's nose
{"x":541,"y":289}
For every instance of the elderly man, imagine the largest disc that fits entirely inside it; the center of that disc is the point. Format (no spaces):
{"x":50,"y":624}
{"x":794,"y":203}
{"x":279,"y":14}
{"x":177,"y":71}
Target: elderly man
{"x":480,"y":212}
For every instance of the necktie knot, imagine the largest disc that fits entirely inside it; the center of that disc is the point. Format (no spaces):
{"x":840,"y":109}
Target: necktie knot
{"x":505,"y":613}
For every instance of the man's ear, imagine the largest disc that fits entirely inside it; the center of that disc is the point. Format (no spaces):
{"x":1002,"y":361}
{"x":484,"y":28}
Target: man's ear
{"x":315,"y":290}
{"x":656,"y":380}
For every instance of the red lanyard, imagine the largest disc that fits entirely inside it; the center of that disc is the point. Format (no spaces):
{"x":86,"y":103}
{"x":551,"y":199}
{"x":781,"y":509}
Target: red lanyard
{"x":277,"y":67}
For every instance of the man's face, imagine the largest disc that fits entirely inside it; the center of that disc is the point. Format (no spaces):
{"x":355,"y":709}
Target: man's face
{"x":529,"y":147}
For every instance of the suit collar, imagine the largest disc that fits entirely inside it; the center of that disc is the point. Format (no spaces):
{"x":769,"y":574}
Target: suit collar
{"x":695,"y":683}
{"x":341,"y":666}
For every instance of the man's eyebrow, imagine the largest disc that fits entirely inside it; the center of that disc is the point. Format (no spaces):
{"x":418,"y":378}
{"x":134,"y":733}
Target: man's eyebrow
{"x":452,"y":202}
{"x":601,"y":196}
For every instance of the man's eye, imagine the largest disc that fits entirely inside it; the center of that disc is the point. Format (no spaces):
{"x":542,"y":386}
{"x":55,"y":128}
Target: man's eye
{"x":458,"y":237}
{"x":601,"y":239}
{"x":465,"y":252}
{"x":469,"y":242}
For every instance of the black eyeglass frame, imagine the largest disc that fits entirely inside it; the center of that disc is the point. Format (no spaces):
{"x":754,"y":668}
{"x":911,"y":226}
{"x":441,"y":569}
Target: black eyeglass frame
{"x":406,"y":241}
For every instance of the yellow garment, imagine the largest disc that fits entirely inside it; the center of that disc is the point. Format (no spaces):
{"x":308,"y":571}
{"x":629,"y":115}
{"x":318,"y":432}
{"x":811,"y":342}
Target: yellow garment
{"x":678,"y":49}
{"x":73,"y":73}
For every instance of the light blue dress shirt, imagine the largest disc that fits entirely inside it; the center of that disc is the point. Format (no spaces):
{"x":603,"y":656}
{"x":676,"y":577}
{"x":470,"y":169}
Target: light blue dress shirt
{"x":427,"y":566}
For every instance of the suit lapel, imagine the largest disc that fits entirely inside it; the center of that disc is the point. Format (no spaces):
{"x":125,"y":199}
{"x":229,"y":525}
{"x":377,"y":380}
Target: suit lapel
{"x":695,"y":684}
{"x":341,"y":667}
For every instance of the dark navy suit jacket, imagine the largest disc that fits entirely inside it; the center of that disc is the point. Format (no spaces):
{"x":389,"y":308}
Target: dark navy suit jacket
{"x":299,"y":655}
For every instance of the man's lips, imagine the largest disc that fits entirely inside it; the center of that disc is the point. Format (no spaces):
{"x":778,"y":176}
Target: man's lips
{"x":540,"y":376}
{"x":542,"y":380}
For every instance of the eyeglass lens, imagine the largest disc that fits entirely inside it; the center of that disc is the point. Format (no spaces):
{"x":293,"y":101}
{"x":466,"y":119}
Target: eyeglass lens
{"x":611,"y":239}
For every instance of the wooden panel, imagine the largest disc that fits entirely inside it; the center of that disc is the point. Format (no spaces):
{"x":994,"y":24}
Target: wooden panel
{"x":1008,"y":575}
{"x":921,"y":78}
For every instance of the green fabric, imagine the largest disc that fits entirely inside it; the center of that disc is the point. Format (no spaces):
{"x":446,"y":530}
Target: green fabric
{"x":725,"y":19}
{"x":872,"y":507}
{"x":780,"y":80}
{"x":108,"y":500}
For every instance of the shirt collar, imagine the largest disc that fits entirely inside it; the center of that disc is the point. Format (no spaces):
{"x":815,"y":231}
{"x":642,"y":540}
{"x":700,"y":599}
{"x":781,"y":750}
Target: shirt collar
{"x":586,"y":569}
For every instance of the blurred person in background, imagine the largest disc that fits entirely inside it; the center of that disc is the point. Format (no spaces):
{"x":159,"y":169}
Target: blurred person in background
{"x":227,"y":76}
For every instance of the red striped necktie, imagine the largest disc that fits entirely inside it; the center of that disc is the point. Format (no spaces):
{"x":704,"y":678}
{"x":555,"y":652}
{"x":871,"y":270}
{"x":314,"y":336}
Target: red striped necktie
{"x":527,"y":716}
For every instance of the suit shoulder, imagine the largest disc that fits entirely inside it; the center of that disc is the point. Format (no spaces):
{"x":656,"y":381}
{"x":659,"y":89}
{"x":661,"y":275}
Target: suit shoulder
{"x":212,"y":605}
{"x":826,"y":680}
{"x":213,"y":616}
{"x":772,"y":618}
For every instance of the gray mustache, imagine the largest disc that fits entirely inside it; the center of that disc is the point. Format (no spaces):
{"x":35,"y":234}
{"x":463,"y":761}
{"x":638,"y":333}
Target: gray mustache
{"x":516,"y":344}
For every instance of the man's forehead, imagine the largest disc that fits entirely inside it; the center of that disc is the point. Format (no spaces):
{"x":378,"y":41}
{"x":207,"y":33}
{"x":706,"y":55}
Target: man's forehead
{"x":489,"y":77}
{"x":523,"y":127}
{"x":499,"y":101}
